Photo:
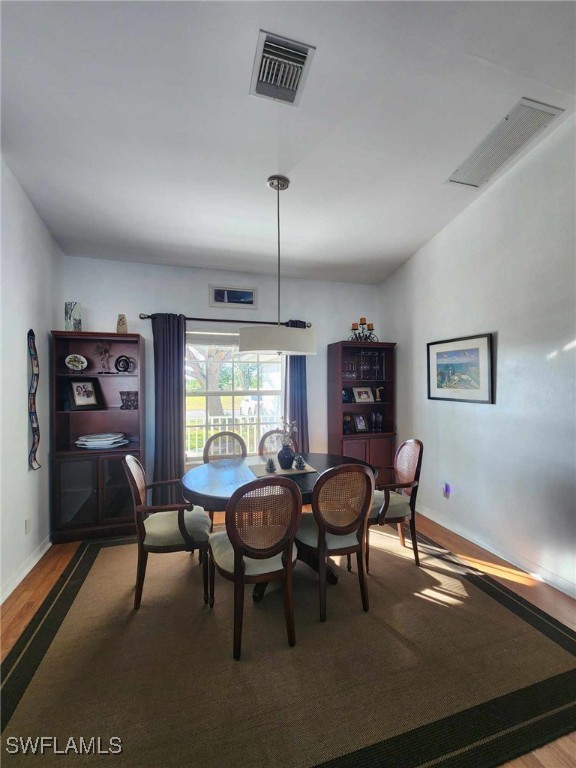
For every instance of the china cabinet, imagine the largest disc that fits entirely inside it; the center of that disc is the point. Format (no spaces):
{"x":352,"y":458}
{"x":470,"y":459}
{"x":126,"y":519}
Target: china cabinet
{"x":361,"y":403}
{"x":97,"y":417}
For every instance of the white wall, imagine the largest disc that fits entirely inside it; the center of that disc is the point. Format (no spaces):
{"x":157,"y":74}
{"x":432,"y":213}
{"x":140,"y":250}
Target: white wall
{"x":28,"y":272}
{"x":506,"y":265}
{"x":107,"y":288}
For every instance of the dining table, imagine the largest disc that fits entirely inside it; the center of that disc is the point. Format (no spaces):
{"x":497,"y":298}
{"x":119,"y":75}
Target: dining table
{"x":212,"y":484}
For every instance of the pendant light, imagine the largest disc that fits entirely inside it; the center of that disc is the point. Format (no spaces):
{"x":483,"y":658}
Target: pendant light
{"x":277,"y":339}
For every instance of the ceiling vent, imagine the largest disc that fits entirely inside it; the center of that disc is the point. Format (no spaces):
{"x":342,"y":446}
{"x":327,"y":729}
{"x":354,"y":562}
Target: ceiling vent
{"x":521,"y":124}
{"x":280,"y":68}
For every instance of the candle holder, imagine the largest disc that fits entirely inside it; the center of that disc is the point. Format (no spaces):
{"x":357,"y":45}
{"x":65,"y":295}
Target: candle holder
{"x":362,"y":331}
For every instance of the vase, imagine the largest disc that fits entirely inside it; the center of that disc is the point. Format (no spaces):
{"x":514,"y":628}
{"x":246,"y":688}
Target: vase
{"x":286,"y":457}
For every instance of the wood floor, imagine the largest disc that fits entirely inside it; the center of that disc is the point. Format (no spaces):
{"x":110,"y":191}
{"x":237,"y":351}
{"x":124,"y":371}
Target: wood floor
{"x":22,"y":604}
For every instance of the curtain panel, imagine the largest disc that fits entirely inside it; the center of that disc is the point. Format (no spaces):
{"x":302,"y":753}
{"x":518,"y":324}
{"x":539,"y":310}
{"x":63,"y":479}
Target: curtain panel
{"x":169,"y":334}
{"x":296,"y":390}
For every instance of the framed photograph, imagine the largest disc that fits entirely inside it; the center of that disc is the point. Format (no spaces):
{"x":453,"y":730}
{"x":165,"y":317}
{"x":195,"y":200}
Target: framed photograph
{"x":360,"y":423}
{"x":461,"y":369}
{"x":347,"y":396}
{"x":363,"y":395}
{"x":237,"y":297}
{"x":84,"y":394}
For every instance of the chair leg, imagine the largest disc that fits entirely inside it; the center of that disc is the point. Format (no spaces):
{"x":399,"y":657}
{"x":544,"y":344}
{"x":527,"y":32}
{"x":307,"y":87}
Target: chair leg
{"x":238,"y":616}
{"x":322,"y":584}
{"x":140,"y":573}
{"x":367,"y":551}
{"x":289,"y":606}
{"x":414,"y":541}
{"x":401,"y":534}
{"x":212,"y":573}
{"x":362,"y":579}
{"x":349,"y":562}
{"x":204,"y":561}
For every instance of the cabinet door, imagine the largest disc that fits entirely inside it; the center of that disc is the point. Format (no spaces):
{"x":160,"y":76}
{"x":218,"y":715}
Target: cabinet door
{"x":76,"y":492}
{"x":356,"y":449}
{"x":382,"y":455}
{"x":115,"y":497}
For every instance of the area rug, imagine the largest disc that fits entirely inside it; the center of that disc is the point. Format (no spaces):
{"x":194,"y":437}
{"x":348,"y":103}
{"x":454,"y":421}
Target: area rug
{"x":447,"y":668}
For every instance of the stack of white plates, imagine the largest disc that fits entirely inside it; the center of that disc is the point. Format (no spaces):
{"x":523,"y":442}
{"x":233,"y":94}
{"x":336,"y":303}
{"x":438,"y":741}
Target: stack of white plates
{"x":102,"y":440}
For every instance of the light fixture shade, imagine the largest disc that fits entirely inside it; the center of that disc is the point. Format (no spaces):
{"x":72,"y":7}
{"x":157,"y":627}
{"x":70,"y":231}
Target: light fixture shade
{"x":277,"y":339}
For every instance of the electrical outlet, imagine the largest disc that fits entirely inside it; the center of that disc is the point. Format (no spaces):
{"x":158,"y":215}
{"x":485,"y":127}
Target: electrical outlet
{"x":446,"y":490}
{"x":27,"y":526}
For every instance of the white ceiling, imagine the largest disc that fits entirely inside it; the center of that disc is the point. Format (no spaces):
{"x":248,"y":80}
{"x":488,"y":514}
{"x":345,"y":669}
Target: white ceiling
{"x":130,"y":125}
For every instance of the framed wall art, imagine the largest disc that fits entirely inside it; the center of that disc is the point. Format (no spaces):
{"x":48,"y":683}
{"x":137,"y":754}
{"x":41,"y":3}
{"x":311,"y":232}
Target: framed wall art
{"x":237,"y":297}
{"x":461,"y":369}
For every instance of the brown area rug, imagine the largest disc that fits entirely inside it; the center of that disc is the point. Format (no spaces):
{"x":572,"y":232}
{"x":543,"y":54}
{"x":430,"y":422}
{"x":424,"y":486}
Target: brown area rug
{"x":447,"y":668}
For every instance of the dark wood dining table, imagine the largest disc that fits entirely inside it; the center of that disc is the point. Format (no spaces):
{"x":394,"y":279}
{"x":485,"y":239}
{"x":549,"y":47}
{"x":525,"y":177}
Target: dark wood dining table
{"x":211,"y":485}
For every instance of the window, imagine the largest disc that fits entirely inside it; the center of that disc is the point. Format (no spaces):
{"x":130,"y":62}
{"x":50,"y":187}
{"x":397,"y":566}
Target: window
{"x":229,"y":391}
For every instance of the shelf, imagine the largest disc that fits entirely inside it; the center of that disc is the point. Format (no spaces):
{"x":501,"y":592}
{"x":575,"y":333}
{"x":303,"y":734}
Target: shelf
{"x":362,"y":382}
{"x":357,"y":365}
{"x":370,"y":402}
{"x":361,"y":435}
{"x":90,"y":491}
{"x":75,"y":451}
{"x":80,"y":374}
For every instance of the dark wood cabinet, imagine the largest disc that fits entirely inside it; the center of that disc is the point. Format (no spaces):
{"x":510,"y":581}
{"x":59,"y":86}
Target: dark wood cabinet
{"x":362,"y":402}
{"x":90,"y":492}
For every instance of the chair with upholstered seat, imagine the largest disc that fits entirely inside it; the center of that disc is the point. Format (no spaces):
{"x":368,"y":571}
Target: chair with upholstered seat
{"x":164,"y":528}
{"x":341,"y":501}
{"x":395,"y":502}
{"x":262,"y":517}
{"x":271,"y":442}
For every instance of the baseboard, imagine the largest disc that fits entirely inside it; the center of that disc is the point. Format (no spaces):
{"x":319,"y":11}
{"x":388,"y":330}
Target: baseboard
{"x":25,"y":568}
{"x":548,"y":577}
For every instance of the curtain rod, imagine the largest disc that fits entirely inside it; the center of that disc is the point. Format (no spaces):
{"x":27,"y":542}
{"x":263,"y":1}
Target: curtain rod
{"x":142,"y":316}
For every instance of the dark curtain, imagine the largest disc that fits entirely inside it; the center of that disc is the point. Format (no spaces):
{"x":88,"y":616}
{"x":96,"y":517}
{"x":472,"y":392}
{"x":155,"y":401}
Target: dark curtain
{"x":296,"y":391}
{"x":169,"y":332}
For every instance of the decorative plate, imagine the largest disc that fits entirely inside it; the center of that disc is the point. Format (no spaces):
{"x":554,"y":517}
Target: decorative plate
{"x":102,"y":446}
{"x":76,"y":362}
{"x":124,"y":364}
{"x":99,"y":436}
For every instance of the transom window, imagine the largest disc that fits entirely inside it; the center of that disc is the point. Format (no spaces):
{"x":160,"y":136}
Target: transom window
{"x":226,"y":390}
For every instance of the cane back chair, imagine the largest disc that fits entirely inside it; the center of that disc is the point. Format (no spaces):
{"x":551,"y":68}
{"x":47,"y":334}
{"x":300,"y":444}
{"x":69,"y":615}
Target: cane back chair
{"x":271,"y":442}
{"x":262,"y":517}
{"x":164,"y":528}
{"x":341,"y":501}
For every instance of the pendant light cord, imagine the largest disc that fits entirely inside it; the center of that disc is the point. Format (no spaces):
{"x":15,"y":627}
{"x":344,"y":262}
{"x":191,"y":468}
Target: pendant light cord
{"x":278,"y":222}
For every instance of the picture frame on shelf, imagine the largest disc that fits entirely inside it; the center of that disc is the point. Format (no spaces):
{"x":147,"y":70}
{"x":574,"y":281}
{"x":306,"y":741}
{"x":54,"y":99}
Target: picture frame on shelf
{"x":360,"y":423}
{"x":347,"y":396}
{"x":84,"y":394}
{"x":363,"y":395}
{"x":461,"y":369}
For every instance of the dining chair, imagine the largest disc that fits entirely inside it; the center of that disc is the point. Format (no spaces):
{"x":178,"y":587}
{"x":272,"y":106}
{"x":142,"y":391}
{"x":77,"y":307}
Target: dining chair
{"x":271,"y":442}
{"x":262,"y":518}
{"x":223,"y":445}
{"x":164,"y":528}
{"x":395,"y":502}
{"x":341,"y":501}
